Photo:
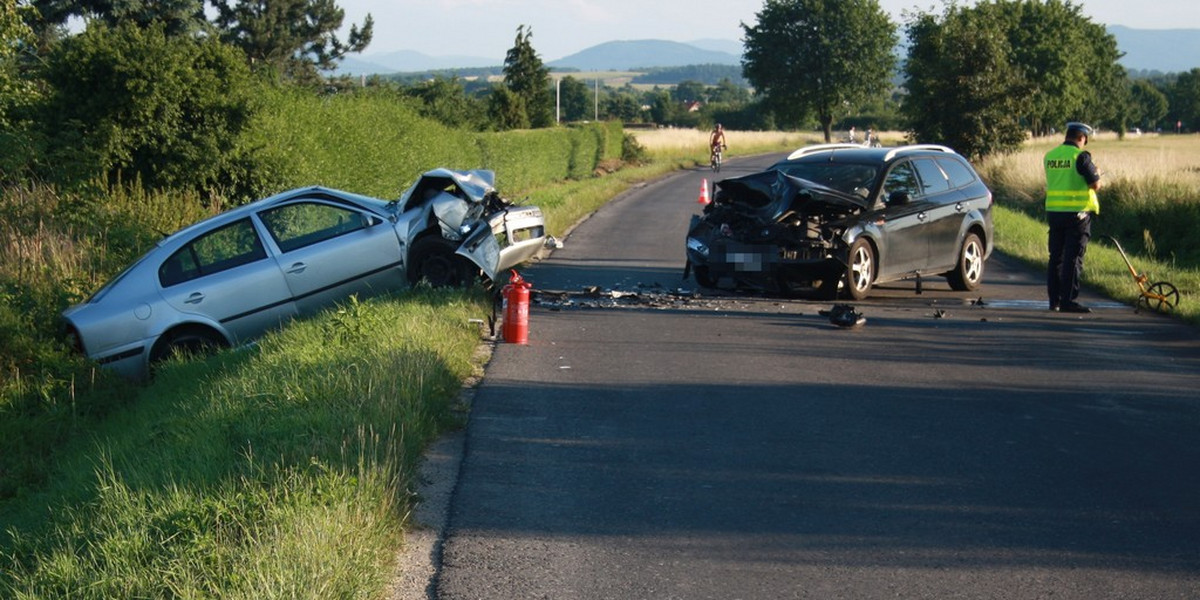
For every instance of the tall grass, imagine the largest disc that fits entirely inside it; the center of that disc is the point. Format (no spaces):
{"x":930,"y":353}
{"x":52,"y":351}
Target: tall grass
{"x":282,"y":471}
{"x":1149,"y":202}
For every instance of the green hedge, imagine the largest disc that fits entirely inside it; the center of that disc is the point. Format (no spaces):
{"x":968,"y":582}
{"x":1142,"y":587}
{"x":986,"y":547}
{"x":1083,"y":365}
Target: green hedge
{"x":374,"y":142}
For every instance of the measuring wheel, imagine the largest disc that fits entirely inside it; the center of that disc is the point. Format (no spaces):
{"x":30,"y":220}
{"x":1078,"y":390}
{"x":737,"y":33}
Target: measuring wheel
{"x":1160,"y":296}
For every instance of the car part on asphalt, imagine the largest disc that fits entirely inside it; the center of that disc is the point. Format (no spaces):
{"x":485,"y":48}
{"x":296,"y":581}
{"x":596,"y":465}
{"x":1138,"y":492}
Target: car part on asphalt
{"x":844,"y":315}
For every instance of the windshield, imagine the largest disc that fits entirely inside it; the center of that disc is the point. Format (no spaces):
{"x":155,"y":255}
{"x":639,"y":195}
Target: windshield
{"x":843,"y":177}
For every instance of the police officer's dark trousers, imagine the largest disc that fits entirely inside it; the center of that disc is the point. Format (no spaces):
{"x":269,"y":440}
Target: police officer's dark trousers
{"x":1069,"y":235}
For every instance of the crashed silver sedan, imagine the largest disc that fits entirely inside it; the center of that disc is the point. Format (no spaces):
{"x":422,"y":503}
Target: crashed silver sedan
{"x":229,"y":278}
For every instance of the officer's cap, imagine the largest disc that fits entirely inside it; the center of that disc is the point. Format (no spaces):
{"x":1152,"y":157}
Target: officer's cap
{"x":1075,"y":127}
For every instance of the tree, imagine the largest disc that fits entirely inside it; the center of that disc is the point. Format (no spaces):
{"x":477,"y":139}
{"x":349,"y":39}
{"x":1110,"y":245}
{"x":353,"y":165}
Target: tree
{"x":17,"y":92}
{"x":293,"y":37}
{"x":819,"y":57}
{"x":575,"y":99}
{"x":177,"y":17}
{"x":15,"y":36}
{"x":1185,"y":99}
{"x":689,"y":91}
{"x":1040,"y":61}
{"x":445,"y":100}
{"x":962,"y":91}
{"x":1148,"y":105}
{"x":507,"y":110}
{"x":133,"y":103}
{"x":528,"y":78}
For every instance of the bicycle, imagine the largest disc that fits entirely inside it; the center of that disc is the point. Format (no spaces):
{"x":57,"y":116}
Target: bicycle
{"x":714,"y":159}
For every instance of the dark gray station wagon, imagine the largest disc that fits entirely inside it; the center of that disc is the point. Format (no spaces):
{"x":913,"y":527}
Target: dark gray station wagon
{"x":840,"y":218}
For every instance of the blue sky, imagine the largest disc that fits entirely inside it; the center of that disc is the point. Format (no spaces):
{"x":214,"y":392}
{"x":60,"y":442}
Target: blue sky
{"x":487,"y":28}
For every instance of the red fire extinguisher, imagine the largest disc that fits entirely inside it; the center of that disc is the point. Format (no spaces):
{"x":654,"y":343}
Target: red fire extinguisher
{"x":516,"y":309}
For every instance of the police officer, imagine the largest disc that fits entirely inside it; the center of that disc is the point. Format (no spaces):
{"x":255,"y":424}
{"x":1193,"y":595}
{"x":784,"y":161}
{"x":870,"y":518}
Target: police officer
{"x":1072,"y":180}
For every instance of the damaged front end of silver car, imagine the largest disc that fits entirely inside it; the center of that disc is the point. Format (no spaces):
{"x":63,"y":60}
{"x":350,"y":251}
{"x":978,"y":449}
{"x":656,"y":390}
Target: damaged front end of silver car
{"x":487,"y":229}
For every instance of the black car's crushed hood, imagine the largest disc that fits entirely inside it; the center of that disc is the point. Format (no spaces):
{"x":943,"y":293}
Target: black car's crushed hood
{"x":769,"y":195}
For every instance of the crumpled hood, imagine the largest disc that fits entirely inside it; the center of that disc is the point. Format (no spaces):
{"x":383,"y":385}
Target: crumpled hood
{"x":770,"y":194}
{"x":474,"y":184}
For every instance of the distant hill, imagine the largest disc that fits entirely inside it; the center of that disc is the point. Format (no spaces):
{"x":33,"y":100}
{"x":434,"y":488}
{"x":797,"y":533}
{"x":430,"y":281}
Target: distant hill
{"x":1166,"y":50}
{"x":410,"y":61}
{"x":626,"y":55}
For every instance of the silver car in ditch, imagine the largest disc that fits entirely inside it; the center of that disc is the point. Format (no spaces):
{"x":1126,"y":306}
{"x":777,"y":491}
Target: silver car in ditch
{"x":227,"y":279}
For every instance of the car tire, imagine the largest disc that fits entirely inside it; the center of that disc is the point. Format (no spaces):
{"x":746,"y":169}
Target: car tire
{"x":189,"y":341}
{"x":968,"y":271}
{"x":432,"y":259}
{"x":860,"y":269}
{"x":704,"y":277}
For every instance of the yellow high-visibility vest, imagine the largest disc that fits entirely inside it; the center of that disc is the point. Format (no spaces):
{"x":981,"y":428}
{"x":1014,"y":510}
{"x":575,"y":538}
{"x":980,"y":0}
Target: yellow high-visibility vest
{"x":1066,"y":189}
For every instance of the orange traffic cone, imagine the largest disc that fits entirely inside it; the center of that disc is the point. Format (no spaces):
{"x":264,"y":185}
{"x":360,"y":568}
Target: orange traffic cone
{"x":704,"y":192}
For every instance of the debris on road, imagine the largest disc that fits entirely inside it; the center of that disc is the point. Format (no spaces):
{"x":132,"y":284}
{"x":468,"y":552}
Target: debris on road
{"x":844,"y":315}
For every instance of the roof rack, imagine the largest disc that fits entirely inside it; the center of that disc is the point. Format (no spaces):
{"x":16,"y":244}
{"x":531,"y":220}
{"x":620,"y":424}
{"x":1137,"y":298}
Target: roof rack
{"x":822,"y":148}
{"x":894,"y":151}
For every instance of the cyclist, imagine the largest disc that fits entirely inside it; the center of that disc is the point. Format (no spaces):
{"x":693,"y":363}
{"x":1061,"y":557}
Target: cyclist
{"x":716,"y":143}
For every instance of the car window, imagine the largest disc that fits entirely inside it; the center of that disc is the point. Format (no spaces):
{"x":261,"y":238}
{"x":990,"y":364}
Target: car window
{"x":902,"y":178}
{"x":231,"y":246}
{"x":960,"y":174}
{"x":305,"y":223}
{"x":933,"y":180}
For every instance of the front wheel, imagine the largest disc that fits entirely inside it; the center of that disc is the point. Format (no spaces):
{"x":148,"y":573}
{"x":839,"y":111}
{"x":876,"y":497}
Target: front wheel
{"x":433,"y":259}
{"x":968,"y":271}
{"x":860,"y":272}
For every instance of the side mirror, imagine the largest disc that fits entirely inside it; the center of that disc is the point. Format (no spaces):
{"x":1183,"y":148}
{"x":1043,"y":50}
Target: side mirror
{"x":898,"y":199}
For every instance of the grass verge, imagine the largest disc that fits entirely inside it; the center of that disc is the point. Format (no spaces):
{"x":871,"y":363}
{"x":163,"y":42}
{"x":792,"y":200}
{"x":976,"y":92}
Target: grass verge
{"x":279,"y":471}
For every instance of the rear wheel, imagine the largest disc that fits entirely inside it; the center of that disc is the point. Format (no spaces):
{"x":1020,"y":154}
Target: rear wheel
{"x":968,"y":272}
{"x":432,"y":259}
{"x":185,"y":343}
{"x":860,"y":272}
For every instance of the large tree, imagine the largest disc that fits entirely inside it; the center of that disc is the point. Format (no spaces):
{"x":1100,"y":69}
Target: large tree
{"x":528,"y":78}
{"x":295,"y":37}
{"x":176,"y":16}
{"x":1185,"y":99}
{"x":575,"y":99}
{"x":1148,"y":105}
{"x":1039,"y":63}
{"x":962,"y":91}
{"x":819,"y":57}
{"x":134,"y":103}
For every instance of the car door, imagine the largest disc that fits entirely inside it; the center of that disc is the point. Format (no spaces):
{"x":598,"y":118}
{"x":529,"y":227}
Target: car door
{"x":945,"y":212}
{"x":905,"y":215}
{"x":225,"y":275}
{"x":329,"y":250}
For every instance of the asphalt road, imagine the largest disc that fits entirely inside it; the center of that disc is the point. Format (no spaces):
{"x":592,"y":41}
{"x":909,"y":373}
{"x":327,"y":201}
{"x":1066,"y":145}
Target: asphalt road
{"x":660,"y":445}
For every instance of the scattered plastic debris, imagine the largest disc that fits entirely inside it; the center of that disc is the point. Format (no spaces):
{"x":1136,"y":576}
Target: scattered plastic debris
{"x":844,"y":315}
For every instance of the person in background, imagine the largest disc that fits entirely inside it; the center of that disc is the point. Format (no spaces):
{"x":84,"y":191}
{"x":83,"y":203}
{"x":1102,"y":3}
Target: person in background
{"x":1072,"y":181}
{"x":716,"y":139}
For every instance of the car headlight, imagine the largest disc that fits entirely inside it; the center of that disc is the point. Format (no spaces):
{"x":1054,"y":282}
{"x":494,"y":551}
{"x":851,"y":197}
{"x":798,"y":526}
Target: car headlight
{"x":697,"y":246}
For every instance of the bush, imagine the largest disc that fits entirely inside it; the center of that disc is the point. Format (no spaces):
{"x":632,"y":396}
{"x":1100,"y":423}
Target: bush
{"x":134,"y":103}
